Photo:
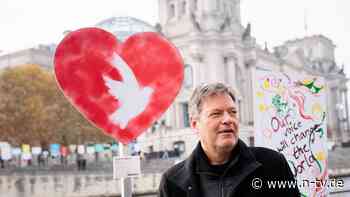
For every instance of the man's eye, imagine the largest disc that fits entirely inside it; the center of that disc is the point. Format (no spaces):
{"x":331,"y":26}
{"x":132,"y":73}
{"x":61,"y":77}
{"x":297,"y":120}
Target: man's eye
{"x":215,"y":114}
{"x":233,"y":112}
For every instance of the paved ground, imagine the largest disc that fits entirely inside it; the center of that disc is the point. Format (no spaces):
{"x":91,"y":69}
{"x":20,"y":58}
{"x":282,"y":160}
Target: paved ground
{"x":339,"y":161}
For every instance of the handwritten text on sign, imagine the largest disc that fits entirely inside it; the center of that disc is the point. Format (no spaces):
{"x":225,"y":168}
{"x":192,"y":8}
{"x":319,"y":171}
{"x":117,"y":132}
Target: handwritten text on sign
{"x":290,"y":117}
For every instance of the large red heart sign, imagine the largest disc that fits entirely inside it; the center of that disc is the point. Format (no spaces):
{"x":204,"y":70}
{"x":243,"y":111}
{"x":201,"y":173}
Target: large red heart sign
{"x":123,"y":88}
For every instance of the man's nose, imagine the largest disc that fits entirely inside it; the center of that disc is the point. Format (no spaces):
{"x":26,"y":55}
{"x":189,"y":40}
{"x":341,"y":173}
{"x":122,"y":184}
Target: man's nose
{"x":227,"y":118}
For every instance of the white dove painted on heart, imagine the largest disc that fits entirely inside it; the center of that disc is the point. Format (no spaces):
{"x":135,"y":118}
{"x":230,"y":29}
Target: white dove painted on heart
{"x":132,"y":98}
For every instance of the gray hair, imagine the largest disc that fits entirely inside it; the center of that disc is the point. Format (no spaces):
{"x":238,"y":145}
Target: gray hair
{"x":206,"y":90}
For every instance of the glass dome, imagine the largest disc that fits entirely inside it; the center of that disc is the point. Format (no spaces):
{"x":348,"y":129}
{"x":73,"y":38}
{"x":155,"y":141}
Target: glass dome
{"x":123,"y":27}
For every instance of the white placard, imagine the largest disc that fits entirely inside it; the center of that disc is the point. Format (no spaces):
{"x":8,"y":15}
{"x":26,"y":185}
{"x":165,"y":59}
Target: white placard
{"x":81,"y":149}
{"x":5,"y":151}
{"x":16,"y":151}
{"x":36,"y":150}
{"x":90,"y":149}
{"x":126,"y":166}
{"x":72,"y":148}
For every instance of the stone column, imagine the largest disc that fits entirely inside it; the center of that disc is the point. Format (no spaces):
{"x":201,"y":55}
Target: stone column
{"x":214,"y":65}
{"x":163,"y":11}
{"x":250,"y":61}
{"x":231,"y":72}
{"x":334,"y":125}
{"x":347,"y":129}
{"x":338,"y":125}
{"x":197,"y":68}
{"x":249,"y":93}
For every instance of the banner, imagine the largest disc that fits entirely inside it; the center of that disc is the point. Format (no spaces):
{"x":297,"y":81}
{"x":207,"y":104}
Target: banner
{"x":114,"y":147}
{"x":72,"y":148}
{"x":26,"y":149}
{"x":36,"y":150}
{"x":90,"y":149}
{"x":290,"y":117}
{"x":16,"y":151}
{"x":64,"y":151}
{"x":5,"y":151}
{"x":55,"y":150}
{"x":99,"y":148}
{"x":81,"y":149}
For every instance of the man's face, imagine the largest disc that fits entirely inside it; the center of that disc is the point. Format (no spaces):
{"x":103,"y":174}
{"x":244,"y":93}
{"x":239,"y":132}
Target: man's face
{"x":217,"y":123}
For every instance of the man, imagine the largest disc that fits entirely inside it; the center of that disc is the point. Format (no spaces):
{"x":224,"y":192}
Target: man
{"x":222,"y":164}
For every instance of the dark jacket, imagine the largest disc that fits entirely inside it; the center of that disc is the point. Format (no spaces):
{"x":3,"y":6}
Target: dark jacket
{"x":246,"y":167}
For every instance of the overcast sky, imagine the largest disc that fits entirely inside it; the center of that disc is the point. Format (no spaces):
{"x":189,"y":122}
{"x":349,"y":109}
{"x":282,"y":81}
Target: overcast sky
{"x":26,"y":23}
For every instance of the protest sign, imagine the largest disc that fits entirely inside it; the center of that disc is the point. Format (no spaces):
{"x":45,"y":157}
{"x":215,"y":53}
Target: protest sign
{"x":290,"y":117}
{"x":81,"y":149}
{"x":36,"y":150}
{"x":55,"y":149}
{"x":123,"y":88}
{"x":5,"y":151}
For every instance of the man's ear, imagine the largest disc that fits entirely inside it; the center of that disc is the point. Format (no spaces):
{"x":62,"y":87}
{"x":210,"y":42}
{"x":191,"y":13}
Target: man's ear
{"x":193,"y":123}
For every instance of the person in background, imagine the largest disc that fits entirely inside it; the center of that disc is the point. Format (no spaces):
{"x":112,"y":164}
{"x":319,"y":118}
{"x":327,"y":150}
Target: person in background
{"x":2,"y":162}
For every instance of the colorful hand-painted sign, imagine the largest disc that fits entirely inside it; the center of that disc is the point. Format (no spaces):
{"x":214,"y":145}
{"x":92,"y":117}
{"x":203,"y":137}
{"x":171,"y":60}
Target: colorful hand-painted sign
{"x":120,"y":87}
{"x":99,"y":148}
{"x":90,"y":149}
{"x":55,"y":150}
{"x":64,"y":151}
{"x":290,"y":117}
{"x":26,"y":153}
{"x":5,"y":151}
{"x":26,"y":148}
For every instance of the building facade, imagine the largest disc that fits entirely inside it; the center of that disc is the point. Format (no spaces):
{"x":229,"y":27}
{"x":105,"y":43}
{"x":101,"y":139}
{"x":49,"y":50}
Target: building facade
{"x":41,"y":55}
{"x":216,"y":47}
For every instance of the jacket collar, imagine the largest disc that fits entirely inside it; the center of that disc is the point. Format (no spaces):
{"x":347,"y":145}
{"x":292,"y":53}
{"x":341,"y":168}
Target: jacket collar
{"x":241,"y":165}
{"x":203,"y":165}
